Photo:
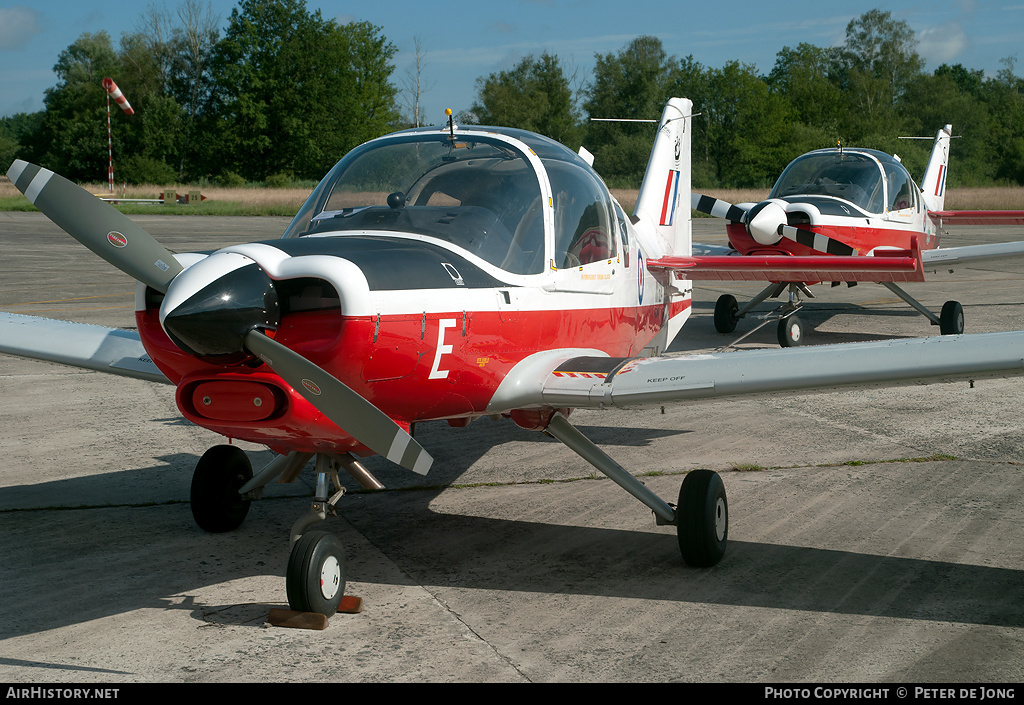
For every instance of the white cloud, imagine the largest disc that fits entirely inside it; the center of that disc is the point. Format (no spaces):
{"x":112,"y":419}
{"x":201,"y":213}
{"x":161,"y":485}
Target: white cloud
{"x":18,"y":25}
{"x":943,"y":44}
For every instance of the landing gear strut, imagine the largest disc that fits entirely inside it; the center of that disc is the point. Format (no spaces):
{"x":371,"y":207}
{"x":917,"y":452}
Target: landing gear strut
{"x":223,"y":487}
{"x":790,"y":328}
{"x":950,"y":321}
{"x":790,"y":331}
{"x":702,"y":516}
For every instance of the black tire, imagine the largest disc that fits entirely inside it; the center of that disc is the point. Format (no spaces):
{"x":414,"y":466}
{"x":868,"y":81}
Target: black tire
{"x":951,"y":320}
{"x":316,"y":573}
{"x":220,"y":473}
{"x":725,"y":313}
{"x":791,"y":331}
{"x":703,"y":519}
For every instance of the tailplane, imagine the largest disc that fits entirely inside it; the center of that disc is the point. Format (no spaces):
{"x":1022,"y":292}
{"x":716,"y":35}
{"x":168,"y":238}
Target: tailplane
{"x":933,"y":185}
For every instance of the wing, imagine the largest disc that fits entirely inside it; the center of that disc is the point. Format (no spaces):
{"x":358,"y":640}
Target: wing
{"x":974,"y":253}
{"x":971,"y":253}
{"x":592,"y":381}
{"x":110,"y":350}
{"x":977,"y":217}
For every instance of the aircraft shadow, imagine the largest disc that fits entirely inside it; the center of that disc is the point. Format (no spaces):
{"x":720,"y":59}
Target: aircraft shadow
{"x":169,"y":482}
{"x":135,"y":556}
{"x":154,"y":557}
{"x":495,"y":554}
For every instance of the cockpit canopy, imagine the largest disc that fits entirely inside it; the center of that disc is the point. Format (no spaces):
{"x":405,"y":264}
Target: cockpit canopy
{"x":485,"y":191}
{"x":874,"y":181}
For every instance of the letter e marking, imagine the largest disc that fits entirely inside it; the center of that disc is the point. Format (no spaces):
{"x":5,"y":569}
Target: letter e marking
{"x":442,"y":349}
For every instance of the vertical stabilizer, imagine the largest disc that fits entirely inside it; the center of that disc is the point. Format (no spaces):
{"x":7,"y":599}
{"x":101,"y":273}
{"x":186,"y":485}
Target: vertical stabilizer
{"x":662,"y":214}
{"x":663,"y":204}
{"x":933,"y":185}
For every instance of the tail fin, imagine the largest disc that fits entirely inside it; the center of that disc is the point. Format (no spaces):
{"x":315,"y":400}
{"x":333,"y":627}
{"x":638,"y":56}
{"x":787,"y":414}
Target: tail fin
{"x":663,"y":204}
{"x":933,"y":185}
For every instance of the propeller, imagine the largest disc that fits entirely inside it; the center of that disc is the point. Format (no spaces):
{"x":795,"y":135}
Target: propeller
{"x":219,"y":309}
{"x":766,"y":223}
{"x":342,"y":405}
{"x":96,"y":224}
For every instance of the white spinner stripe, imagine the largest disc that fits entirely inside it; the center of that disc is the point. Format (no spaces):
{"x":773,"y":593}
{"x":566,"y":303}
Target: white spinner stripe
{"x":38,"y":183}
{"x":398,"y":446}
{"x":17,"y":167}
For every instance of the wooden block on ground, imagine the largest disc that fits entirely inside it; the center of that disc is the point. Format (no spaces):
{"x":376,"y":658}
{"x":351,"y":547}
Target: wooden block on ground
{"x":350,"y":604}
{"x":297,"y":620}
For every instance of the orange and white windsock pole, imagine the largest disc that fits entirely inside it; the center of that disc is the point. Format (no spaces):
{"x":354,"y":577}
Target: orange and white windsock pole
{"x":113,"y":92}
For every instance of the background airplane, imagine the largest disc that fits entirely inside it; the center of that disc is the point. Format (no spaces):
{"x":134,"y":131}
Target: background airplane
{"x":439,"y":275}
{"x":841,"y":215}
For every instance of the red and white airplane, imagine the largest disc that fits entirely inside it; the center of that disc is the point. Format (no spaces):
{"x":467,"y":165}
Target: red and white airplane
{"x":842,"y":215}
{"x":439,"y":274}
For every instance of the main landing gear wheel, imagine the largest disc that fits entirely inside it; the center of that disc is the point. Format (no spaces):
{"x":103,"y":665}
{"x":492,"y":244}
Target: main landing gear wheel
{"x":951,"y":320}
{"x":791,"y":331}
{"x":725,"y":313}
{"x":220,"y":473}
{"x":703,"y":519}
{"x":316,"y":573}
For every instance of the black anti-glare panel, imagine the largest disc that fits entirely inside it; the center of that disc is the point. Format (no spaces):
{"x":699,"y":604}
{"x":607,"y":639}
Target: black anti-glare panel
{"x":393,"y":263}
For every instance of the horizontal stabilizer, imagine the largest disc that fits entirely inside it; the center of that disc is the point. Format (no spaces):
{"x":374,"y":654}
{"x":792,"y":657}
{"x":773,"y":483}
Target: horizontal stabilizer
{"x":780,"y":268}
{"x":109,"y":350}
{"x":978,"y":217}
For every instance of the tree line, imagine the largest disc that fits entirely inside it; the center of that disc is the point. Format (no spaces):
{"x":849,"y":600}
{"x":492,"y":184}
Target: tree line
{"x":283,"y":93}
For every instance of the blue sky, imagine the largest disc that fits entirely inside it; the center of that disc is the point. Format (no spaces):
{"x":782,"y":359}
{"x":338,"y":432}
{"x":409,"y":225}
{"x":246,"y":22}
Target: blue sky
{"x":463,"y":40}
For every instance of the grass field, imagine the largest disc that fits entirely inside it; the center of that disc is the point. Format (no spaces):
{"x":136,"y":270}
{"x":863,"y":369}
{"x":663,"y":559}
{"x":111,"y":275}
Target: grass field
{"x":285,"y":201}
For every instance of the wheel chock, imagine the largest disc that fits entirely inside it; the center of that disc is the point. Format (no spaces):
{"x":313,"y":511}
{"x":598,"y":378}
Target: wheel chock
{"x":350,"y":604}
{"x":297,"y":620}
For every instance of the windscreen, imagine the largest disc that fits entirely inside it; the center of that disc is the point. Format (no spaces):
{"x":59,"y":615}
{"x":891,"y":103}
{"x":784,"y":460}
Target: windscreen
{"x":479,"y":194}
{"x":853,"y":177}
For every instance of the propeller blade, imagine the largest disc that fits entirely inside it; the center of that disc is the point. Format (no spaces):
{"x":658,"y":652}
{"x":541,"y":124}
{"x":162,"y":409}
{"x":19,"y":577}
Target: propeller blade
{"x":817,"y":241}
{"x":96,"y":224}
{"x":713,"y":206}
{"x":721,"y":209}
{"x":338,"y":402}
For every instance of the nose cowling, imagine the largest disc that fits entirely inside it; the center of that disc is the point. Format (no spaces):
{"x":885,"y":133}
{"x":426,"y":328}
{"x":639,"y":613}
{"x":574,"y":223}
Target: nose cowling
{"x":213,"y":305}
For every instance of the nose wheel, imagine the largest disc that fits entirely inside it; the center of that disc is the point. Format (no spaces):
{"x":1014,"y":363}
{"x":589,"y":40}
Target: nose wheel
{"x":790,"y":331}
{"x":316,"y":573}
